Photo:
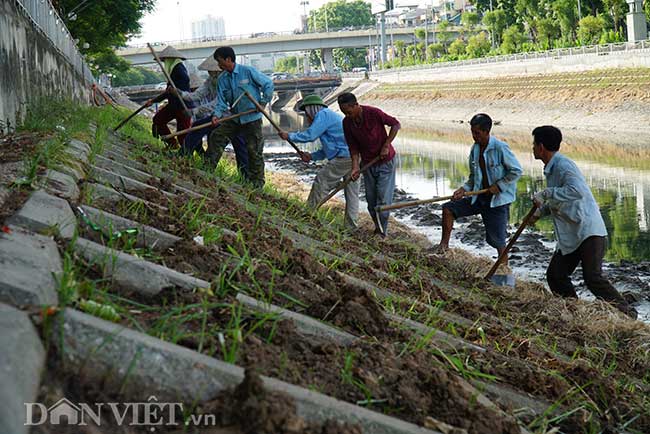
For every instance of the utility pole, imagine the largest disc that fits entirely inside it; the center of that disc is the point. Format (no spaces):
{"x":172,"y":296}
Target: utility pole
{"x":426,"y":32}
{"x":382,"y":22}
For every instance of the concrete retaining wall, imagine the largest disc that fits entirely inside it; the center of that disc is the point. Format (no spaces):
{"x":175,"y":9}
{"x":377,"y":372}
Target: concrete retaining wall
{"x":31,"y":67}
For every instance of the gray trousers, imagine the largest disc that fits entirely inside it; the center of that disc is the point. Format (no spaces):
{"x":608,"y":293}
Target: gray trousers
{"x":379,"y":181}
{"x":327,"y":179}
{"x":252,"y":133}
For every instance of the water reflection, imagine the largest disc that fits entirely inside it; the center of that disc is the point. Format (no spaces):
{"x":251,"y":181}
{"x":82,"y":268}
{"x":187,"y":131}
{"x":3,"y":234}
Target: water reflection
{"x":431,"y":168}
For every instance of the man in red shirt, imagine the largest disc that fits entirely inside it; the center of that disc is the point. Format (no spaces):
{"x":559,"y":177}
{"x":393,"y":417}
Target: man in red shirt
{"x":365,"y":131}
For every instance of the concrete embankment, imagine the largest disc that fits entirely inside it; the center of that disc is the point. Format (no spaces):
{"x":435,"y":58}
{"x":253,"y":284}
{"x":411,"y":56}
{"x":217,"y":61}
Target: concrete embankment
{"x":32,"y":66}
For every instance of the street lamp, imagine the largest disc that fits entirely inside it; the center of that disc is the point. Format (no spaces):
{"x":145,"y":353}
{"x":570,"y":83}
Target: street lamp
{"x":304,"y":4}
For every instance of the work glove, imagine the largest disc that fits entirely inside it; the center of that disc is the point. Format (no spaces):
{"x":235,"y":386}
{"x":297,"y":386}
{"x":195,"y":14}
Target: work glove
{"x":540,"y":197}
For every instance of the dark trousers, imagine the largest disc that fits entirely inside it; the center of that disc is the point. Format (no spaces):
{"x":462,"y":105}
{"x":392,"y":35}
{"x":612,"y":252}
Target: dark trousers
{"x":590,"y":254}
{"x":194,"y":142}
{"x":252,"y":133}
{"x":163,"y":117}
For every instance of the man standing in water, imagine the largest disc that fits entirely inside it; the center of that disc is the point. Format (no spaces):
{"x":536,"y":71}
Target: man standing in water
{"x":365,"y":131}
{"x":579,"y":227}
{"x":328,"y":127}
{"x":494,"y":167}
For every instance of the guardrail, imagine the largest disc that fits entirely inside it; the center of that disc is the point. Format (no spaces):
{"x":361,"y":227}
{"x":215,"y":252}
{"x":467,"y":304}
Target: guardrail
{"x":555,"y":53}
{"x":47,"y":20}
{"x":274,"y":34}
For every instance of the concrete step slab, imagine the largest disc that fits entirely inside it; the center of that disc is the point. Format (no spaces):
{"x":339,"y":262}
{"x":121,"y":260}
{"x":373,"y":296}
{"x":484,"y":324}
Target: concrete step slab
{"x":133,"y":273}
{"x":44,"y":212}
{"x":29,"y":266}
{"x":122,"y":169}
{"x":119,"y":157}
{"x":305,"y":324}
{"x":147,"y":236}
{"x":22,"y":360}
{"x":134,"y":362}
{"x":61,"y":185}
{"x":99,"y":192}
{"x":123,"y":182}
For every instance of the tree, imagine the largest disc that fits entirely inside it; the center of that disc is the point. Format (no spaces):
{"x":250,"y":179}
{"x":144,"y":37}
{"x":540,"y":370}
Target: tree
{"x":400,"y":50}
{"x":478,"y":45}
{"x":513,"y":40}
{"x":457,"y":48}
{"x":443,"y":35}
{"x":469,"y":20}
{"x":435,"y":50}
{"x":547,"y":30}
{"x":336,"y":15}
{"x":339,"y":14}
{"x":496,"y":22}
{"x":616,"y":10}
{"x":567,"y":15}
{"x":137,"y":76}
{"x":590,"y":28}
{"x":104,"y":25}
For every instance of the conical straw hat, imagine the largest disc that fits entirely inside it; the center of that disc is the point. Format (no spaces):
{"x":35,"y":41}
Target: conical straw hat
{"x":209,"y":64}
{"x":171,"y":53}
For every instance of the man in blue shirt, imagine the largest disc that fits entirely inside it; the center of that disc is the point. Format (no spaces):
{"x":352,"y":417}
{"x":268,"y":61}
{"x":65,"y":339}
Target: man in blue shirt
{"x":328,"y":127}
{"x":492,"y":166}
{"x":232,"y":82}
{"x":579,"y":228}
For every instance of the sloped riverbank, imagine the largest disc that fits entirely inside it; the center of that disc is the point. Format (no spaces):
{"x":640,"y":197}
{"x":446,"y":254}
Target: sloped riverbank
{"x":157,"y":278}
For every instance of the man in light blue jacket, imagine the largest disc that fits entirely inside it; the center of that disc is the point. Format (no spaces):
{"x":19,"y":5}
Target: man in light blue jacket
{"x":327,"y":126}
{"x":494,"y":167}
{"x":232,"y":82}
{"x":579,"y":228}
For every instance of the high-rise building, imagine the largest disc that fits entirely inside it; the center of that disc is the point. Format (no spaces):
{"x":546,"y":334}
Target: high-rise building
{"x":208,"y":27}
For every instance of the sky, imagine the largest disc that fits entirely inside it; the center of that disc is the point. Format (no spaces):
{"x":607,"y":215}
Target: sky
{"x":171,"y":20}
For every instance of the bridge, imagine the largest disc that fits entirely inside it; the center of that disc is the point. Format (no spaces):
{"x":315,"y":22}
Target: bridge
{"x":286,"y":42}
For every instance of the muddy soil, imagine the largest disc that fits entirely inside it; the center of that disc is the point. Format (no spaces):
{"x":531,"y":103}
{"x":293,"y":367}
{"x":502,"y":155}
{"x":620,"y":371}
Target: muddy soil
{"x":532,"y":247}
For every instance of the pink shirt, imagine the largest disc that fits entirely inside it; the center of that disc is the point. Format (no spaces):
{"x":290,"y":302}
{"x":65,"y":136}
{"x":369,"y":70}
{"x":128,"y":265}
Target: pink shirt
{"x":368,"y":138}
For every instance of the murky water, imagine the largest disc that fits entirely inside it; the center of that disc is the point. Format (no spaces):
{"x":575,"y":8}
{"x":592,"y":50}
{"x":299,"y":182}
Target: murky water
{"x":429,"y":168}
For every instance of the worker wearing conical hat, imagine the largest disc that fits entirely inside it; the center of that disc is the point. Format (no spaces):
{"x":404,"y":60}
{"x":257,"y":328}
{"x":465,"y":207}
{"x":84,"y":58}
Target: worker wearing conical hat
{"x":202,"y":101}
{"x":327,"y":126}
{"x":173,"y":63}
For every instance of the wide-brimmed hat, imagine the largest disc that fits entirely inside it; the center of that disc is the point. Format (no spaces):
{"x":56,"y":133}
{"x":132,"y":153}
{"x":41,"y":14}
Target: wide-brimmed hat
{"x":209,"y":64}
{"x":311,"y":100}
{"x":171,"y":53}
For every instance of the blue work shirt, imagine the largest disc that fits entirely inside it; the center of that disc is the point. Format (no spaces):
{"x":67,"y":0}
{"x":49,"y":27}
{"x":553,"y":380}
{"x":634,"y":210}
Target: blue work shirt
{"x":569,"y":200}
{"x":501,"y":167}
{"x":328,"y":127}
{"x":229,"y":88}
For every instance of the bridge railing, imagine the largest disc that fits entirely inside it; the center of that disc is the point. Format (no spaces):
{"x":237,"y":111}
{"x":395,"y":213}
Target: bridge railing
{"x":271,"y":35}
{"x":47,"y":20}
{"x":556,"y":53}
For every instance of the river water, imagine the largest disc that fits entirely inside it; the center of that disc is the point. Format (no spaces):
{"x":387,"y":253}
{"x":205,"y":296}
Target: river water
{"x":429,"y":168}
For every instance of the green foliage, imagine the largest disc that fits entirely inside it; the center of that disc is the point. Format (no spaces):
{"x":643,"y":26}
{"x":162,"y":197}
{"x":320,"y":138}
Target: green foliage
{"x":590,"y":29}
{"x":103,"y":25}
{"x":457,"y":48}
{"x":547,"y":30}
{"x":496,"y":22}
{"x":339,"y":14}
{"x":420,"y":34}
{"x":288,"y":64}
{"x":469,"y":20}
{"x":435,"y":50}
{"x":478,"y":45}
{"x":513,"y":40}
{"x":137,"y":76}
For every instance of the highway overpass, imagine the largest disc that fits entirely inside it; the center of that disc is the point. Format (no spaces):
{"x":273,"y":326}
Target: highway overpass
{"x":287,"y":43}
